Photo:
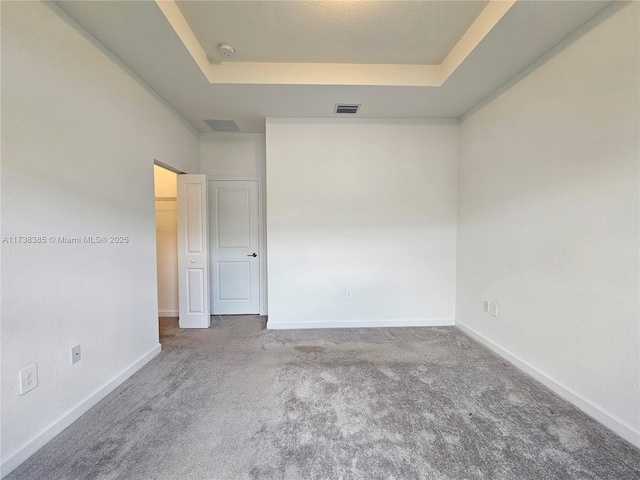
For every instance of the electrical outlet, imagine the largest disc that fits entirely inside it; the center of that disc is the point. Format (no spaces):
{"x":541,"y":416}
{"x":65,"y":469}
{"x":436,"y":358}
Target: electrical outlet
{"x":486,"y":306}
{"x":494,"y":309}
{"x":76,"y":355}
{"x":28,"y":379}
{"x":348,"y":294}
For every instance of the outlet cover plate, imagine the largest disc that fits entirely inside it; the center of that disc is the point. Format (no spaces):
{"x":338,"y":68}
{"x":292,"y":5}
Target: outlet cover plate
{"x":28,"y":378}
{"x":76,"y":355}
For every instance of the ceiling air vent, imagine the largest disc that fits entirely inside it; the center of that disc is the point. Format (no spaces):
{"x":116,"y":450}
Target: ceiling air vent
{"x":351,"y":109}
{"x":222,"y":125}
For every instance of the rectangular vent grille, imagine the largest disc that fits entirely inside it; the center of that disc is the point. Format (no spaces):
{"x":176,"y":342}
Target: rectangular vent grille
{"x":351,"y":109}
{"x":222,"y":125}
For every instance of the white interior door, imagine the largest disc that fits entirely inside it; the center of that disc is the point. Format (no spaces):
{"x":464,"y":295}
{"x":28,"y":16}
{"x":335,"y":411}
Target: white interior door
{"x":234,"y":247}
{"x":193,"y":266}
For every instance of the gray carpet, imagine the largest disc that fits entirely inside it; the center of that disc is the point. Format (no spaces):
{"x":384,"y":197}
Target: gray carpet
{"x":239,"y":402}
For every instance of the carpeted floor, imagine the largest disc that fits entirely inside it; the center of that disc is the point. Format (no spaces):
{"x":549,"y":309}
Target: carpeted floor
{"x":239,"y":402}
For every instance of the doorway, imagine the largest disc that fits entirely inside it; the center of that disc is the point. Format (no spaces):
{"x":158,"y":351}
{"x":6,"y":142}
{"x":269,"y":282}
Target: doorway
{"x":166,"y":200}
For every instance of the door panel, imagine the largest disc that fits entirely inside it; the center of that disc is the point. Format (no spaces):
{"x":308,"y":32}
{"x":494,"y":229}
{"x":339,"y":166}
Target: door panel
{"x":234,"y":230}
{"x":194,"y":286}
{"x":195,"y":217}
{"x":193,"y":266}
{"x":234,"y":280}
{"x":235,"y":271}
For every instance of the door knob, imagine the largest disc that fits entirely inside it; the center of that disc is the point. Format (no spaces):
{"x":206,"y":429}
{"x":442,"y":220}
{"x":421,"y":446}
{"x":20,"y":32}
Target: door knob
{"x":252,"y":255}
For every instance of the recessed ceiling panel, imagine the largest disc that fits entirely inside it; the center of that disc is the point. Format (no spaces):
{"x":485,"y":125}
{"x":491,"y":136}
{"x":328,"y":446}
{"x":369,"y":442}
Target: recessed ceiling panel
{"x":222,"y":125}
{"x":140,"y":36}
{"x":357,"y":32}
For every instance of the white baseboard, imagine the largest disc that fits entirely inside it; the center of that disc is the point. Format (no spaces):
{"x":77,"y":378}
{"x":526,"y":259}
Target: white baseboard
{"x":609,"y":420}
{"x":32,"y":445}
{"x":168,"y":313}
{"x":393,"y":322}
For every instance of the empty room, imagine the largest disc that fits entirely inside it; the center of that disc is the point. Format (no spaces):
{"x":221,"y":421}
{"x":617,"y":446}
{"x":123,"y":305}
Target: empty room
{"x":320,"y":239}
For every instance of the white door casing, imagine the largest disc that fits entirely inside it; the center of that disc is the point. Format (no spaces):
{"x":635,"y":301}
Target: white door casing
{"x":193,"y":266}
{"x":234,"y":246}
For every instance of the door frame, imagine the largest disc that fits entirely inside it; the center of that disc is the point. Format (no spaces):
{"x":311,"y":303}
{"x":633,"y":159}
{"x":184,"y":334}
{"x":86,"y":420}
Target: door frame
{"x":261,"y":231}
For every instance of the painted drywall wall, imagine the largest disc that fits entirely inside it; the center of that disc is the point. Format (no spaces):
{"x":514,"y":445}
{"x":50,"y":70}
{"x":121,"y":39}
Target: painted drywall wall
{"x":548,"y":219}
{"x":79,"y":138}
{"x":167,"y":256}
{"x":166,"y":191}
{"x":363,"y":205}
{"x":165,"y":183}
{"x":238,"y":155}
{"x":232,"y":154}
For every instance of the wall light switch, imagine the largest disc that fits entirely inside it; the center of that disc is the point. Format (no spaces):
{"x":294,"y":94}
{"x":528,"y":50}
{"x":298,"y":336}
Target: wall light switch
{"x":486,"y":306}
{"x":494,"y":309}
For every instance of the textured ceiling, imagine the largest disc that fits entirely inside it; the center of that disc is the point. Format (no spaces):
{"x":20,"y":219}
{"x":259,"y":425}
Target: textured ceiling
{"x":378,"y":32}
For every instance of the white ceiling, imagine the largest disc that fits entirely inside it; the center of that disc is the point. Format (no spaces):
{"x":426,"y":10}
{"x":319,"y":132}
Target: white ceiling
{"x":380,"y":32}
{"x":139,"y":34}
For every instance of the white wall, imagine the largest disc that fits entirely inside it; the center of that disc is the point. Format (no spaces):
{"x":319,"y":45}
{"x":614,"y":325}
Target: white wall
{"x":165,"y":182}
{"x":79,"y":138}
{"x":232,"y":154}
{"x":548,"y":220}
{"x":238,"y":155}
{"x":364,"y":205}
{"x":167,"y":257}
{"x":166,"y":191}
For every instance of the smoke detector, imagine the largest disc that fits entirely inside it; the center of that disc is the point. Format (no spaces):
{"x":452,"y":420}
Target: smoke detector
{"x":226,"y":51}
